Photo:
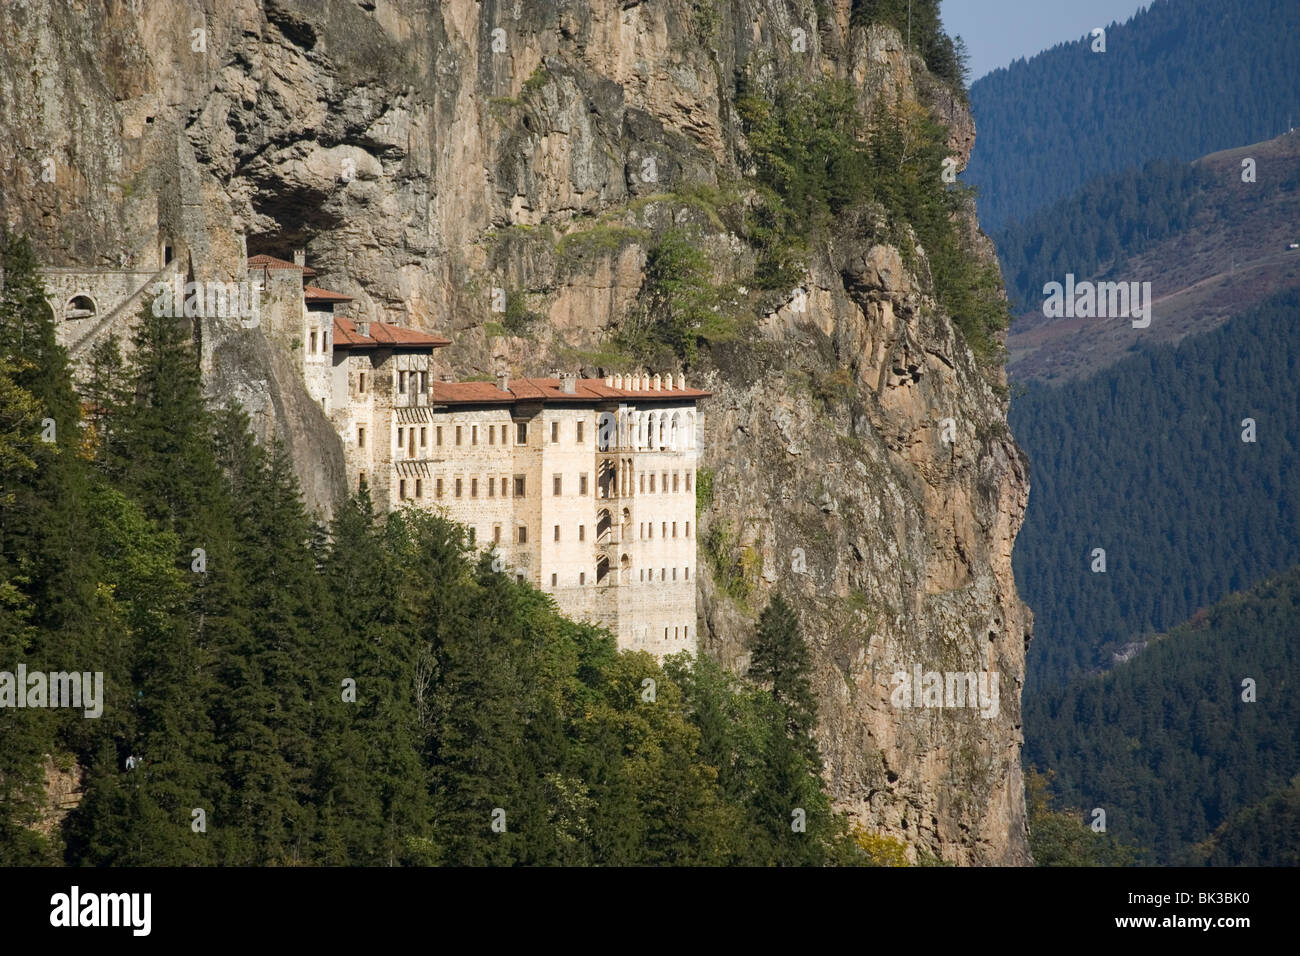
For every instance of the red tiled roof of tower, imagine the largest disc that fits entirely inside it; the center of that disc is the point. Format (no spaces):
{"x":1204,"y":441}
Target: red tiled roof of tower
{"x":262,"y":261}
{"x":383,"y":335}
{"x":316,"y":294}
{"x":550,"y":390}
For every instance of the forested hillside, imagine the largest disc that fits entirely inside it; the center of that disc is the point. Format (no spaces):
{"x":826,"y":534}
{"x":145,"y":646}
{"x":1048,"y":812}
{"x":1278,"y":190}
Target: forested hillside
{"x":1266,"y":834}
{"x":1179,"y":80}
{"x":1146,"y":461}
{"x":368,"y":693}
{"x":1197,"y":728}
{"x":1101,"y":225}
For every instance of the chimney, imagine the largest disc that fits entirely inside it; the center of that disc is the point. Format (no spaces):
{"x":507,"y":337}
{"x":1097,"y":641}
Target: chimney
{"x":503,"y":381}
{"x":658,"y":383}
{"x":618,"y":380}
{"x":668,"y":382}
{"x":362,"y":326}
{"x":681,"y":380}
{"x":300,"y":257}
{"x":569,"y":383}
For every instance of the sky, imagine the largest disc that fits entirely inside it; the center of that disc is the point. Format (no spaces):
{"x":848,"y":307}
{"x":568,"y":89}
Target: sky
{"x":998,"y":31}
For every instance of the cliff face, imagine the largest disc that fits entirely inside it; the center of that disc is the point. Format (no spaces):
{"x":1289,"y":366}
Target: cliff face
{"x":429,"y":154}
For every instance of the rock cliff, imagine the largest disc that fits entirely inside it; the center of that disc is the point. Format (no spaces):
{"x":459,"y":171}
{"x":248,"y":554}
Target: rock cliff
{"x":432,"y":157}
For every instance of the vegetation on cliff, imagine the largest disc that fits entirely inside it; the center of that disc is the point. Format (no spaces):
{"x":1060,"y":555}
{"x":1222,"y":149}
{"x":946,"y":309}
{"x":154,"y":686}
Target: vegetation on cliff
{"x":372,"y":693}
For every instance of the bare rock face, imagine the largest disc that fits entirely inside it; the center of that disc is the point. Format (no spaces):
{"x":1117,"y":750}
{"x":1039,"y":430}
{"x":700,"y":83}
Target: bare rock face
{"x":427,"y":154}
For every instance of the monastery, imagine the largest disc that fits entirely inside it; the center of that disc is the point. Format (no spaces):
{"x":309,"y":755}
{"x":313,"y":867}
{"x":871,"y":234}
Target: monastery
{"x":584,"y":488}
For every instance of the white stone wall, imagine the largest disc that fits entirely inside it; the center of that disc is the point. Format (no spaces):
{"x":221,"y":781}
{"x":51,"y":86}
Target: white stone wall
{"x":464,"y":462}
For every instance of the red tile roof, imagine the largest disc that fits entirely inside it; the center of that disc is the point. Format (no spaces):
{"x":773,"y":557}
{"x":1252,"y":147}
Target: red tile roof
{"x":271,"y":262}
{"x":383,"y":335}
{"x":316,"y":294}
{"x":548,"y":390}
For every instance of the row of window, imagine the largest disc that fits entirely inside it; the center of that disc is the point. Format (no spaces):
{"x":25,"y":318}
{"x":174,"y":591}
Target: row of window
{"x":458,"y":486}
{"x":417,"y":381}
{"x":646,"y":576}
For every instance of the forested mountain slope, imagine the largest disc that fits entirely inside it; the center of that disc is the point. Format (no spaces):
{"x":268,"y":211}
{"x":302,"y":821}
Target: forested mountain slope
{"x":1201,"y":725}
{"x":1181,"y":79}
{"x":1210,"y":243}
{"x":1146,"y":461}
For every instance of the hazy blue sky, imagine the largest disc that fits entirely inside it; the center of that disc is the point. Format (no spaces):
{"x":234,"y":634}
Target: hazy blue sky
{"x":998,"y":31}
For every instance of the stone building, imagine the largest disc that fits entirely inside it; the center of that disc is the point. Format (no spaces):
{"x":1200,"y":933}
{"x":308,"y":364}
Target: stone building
{"x":583,"y":487}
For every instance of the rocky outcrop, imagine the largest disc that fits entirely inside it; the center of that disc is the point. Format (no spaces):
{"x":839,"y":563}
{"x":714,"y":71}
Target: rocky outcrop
{"x":427,"y":155}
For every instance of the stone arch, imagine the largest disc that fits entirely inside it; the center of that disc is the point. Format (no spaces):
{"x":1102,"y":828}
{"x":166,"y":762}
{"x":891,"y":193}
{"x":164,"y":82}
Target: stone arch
{"x":80,"y":306}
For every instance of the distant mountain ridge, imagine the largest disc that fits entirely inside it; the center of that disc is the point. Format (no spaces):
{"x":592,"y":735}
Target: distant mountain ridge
{"x":1211,"y":245}
{"x":1177,"y":81}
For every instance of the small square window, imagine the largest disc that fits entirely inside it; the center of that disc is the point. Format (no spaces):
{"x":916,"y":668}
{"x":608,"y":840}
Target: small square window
{"x":401,"y":438}
{"x":554,"y":577}
{"x":674,"y":529}
{"x":557,"y":532}
{"x":688,"y":481}
{"x":492,"y":486}
{"x":473,"y":487}
{"x":523,"y":534}
{"x":503,"y":434}
{"x":401,"y":488}
{"x":643,"y":484}
{"x":458,"y":431}
{"x":688,"y":529}
{"x":521,"y":433}
{"x":361,"y":382}
{"x":424,"y":437}
{"x":582,"y":532}
{"x":401,"y":382}
{"x":492,"y":435}
{"x":687,"y":569}
{"x":460,"y":486}
{"x":582,"y":577}
{"x":473,"y":435}
{"x":556,"y":484}
{"x":555,"y":433}
{"x":496,"y":534}
{"x":663,"y":531}
{"x":419,"y":488}
{"x":582,"y":483}
{"x":652,"y":484}
{"x":437,"y":436}
{"x":580,"y":424}
{"x":519,"y":579}
{"x":519,"y":486}
{"x":437,"y":488}
{"x":674,"y":482}
{"x":361,"y":436}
